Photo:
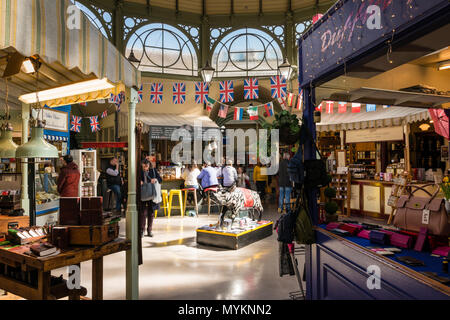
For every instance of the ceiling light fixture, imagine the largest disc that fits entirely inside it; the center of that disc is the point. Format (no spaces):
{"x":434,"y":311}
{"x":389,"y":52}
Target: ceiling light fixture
{"x":132,"y":58}
{"x":207,"y":73}
{"x":67,"y":91}
{"x":444,"y":65}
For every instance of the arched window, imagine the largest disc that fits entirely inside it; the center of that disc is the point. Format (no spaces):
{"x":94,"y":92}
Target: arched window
{"x":247,"y":52}
{"x":162,"y":48}
{"x":94,"y":19}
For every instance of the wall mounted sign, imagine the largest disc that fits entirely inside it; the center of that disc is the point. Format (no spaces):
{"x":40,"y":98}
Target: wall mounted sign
{"x":55,"y":120}
{"x":374,"y":135}
{"x":353,"y":26}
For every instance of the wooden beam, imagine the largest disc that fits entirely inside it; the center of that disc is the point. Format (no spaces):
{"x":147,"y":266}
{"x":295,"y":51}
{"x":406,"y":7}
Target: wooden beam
{"x":260,"y":8}
{"x":231,"y":7}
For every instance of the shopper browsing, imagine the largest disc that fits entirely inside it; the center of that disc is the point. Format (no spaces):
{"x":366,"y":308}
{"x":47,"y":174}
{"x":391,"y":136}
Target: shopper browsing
{"x":260,"y":179}
{"x":69,"y":178}
{"x":285,"y":184}
{"x":148,"y":208}
{"x":114,"y":181}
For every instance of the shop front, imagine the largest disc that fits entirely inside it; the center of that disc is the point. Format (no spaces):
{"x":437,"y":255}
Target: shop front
{"x":349,"y":59}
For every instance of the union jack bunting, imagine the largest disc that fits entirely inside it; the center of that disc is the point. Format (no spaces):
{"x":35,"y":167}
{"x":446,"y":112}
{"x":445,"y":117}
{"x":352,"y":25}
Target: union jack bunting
{"x":223,"y":111}
{"x":251,"y":90}
{"x":140,"y":94}
{"x":201,"y":92}
{"x":156,"y":93}
{"x":122,"y":97}
{"x":95,"y":125}
{"x":278,"y":87}
{"x":226,"y":91}
{"x":104,"y":114}
{"x":179,"y":93}
{"x":75,"y":124}
{"x":111,"y":98}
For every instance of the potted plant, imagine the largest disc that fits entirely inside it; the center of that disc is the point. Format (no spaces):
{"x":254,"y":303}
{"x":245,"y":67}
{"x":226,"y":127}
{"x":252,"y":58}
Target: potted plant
{"x":331,"y":207}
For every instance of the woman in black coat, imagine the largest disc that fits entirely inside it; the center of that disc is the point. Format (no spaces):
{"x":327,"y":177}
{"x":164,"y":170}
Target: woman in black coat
{"x":148,"y":208}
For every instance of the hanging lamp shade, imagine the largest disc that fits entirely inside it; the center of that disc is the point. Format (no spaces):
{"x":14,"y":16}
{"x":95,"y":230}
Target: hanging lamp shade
{"x":7,"y":145}
{"x":207,"y":73}
{"x":37,"y":147}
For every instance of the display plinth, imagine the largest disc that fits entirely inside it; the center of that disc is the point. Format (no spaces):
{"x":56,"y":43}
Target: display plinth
{"x":231,"y":240}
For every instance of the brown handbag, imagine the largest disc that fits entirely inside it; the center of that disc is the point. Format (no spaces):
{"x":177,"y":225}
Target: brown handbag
{"x":416,"y":212}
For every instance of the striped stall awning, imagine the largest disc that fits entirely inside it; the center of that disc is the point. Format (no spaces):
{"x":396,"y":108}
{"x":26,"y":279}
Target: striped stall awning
{"x":41,"y":27}
{"x":56,"y":138}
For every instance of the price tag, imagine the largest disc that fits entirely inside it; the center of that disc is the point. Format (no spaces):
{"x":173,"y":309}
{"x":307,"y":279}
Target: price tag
{"x":425,"y":216}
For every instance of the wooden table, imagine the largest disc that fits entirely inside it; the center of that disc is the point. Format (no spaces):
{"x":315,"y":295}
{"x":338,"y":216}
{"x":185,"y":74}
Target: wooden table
{"x":44,"y":266}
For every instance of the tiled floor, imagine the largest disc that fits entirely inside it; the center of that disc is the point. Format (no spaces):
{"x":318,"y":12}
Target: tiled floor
{"x":175,"y":267}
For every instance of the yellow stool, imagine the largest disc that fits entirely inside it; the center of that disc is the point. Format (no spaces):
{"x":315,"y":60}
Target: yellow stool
{"x":178,"y":193}
{"x":165,"y":201}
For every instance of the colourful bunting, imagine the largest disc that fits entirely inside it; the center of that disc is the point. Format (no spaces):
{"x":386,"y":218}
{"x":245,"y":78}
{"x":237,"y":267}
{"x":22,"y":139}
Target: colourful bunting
{"x":141,"y":94}
{"x":179,"y":93}
{"x":201,"y":92}
{"x":226,"y":91}
{"x":269,"y":109}
{"x":223,"y":111}
{"x":299,"y":103}
{"x":156,"y":93}
{"x":282,"y":102}
{"x":238,"y":113}
{"x":319,"y":107}
{"x":95,"y":125}
{"x":290,"y":99}
{"x":330,"y":106}
{"x":251,"y":89}
{"x":342,"y":107}
{"x":210,"y":103}
{"x":371,"y":107}
{"x":75,"y":124}
{"x":278,"y":87}
{"x":356,"y":107}
{"x":104,"y":114}
{"x":84,"y":104}
{"x":386,"y":106}
{"x":253,"y":113}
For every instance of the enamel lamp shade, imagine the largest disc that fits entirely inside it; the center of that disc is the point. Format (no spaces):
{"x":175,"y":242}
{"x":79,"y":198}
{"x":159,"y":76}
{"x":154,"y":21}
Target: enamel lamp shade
{"x":7,"y":146}
{"x":37,"y":147}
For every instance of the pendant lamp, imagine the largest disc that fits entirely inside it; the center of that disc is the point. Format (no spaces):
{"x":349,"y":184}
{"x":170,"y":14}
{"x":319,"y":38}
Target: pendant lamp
{"x":7,"y":145}
{"x":37,"y":147}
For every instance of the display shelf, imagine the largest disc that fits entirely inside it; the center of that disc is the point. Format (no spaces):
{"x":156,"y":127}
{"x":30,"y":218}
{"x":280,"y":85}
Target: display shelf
{"x":87,"y":164}
{"x":342,"y":184}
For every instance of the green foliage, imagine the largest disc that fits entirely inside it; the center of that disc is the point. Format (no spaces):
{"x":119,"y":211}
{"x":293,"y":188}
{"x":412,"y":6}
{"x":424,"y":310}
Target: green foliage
{"x":330,"y":192}
{"x":331,"y":207}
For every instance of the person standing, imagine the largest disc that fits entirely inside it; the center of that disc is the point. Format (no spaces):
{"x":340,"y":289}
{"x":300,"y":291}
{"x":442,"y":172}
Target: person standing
{"x":229,"y":174}
{"x":114,"y":181}
{"x":243,"y":180}
{"x":284,"y":184}
{"x":69,"y":178}
{"x":260,"y":180}
{"x":148,"y":208}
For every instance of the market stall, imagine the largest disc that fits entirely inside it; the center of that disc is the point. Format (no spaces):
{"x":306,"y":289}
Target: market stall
{"x":383,"y":55}
{"x":48,"y":63}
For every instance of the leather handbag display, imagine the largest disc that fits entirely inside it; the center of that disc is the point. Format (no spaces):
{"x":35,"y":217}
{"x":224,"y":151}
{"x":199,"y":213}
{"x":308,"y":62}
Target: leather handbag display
{"x":379,"y":237}
{"x":401,"y":240}
{"x":414,"y":213}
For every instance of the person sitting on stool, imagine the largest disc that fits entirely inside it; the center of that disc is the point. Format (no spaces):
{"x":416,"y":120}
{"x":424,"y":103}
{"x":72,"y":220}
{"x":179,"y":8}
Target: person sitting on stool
{"x":114,"y":181}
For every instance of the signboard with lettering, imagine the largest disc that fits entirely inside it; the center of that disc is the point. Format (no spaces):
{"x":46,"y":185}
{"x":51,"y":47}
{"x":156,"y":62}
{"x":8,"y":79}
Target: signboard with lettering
{"x":353,"y":26}
{"x":165,"y":132}
{"x":56,"y":120}
{"x":374,"y":135}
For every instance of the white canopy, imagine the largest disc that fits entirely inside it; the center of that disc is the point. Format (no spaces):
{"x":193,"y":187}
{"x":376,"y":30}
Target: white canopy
{"x":382,"y":117}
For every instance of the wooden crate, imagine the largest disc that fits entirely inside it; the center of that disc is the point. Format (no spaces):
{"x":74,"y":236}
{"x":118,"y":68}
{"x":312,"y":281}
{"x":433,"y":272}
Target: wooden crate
{"x":93,"y":235}
{"x":13,"y":222}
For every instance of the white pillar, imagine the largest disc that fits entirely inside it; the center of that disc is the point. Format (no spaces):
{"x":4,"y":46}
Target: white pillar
{"x":132,"y":267}
{"x":25,"y":201}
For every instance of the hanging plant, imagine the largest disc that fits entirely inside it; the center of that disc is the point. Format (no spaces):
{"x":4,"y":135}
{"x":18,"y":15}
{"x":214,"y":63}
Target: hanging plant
{"x":289,"y":126}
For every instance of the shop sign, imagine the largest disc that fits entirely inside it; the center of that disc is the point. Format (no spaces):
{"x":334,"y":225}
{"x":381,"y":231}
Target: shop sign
{"x":165,"y":133}
{"x":356,"y":25}
{"x":56,"y":120}
{"x":374,"y":135}
{"x":100,"y":145}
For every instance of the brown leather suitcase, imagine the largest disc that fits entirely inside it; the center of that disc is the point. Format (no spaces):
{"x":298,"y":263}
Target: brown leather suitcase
{"x":69,"y":211}
{"x":93,"y":235}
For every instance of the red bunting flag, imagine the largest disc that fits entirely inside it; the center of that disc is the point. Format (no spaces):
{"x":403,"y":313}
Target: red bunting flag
{"x":290,"y":99}
{"x":356,"y":107}
{"x":299,"y":103}
{"x":319,"y":107}
{"x":330,"y":106}
{"x":342,"y":107}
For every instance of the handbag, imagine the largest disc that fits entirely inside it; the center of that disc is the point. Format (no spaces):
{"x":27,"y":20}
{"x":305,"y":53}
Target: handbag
{"x":416,"y":212}
{"x":379,"y":237}
{"x":304,"y":232}
{"x":157,"y":187}
{"x":315,"y":169}
{"x":148,"y":191}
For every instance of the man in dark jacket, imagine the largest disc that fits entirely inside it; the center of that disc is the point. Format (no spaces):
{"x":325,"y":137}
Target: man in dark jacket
{"x":69,"y":178}
{"x":114,"y":181}
{"x":285,"y":184}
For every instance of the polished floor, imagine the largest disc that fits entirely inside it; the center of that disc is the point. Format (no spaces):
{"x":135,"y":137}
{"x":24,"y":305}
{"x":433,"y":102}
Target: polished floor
{"x":175,"y":267}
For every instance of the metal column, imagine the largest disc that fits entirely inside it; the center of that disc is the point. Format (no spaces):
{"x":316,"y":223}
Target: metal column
{"x":24,"y":192}
{"x":132,"y":268}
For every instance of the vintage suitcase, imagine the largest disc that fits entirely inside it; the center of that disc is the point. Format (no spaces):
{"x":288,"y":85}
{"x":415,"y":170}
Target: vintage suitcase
{"x":7,"y":222}
{"x":91,"y":217}
{"x":92,"y":203}
{"x":93,"y":235}
{"x":69,"y":211}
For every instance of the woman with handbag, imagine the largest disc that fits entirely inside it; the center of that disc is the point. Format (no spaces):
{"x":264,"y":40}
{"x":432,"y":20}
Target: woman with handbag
{"x":150,"y":196}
